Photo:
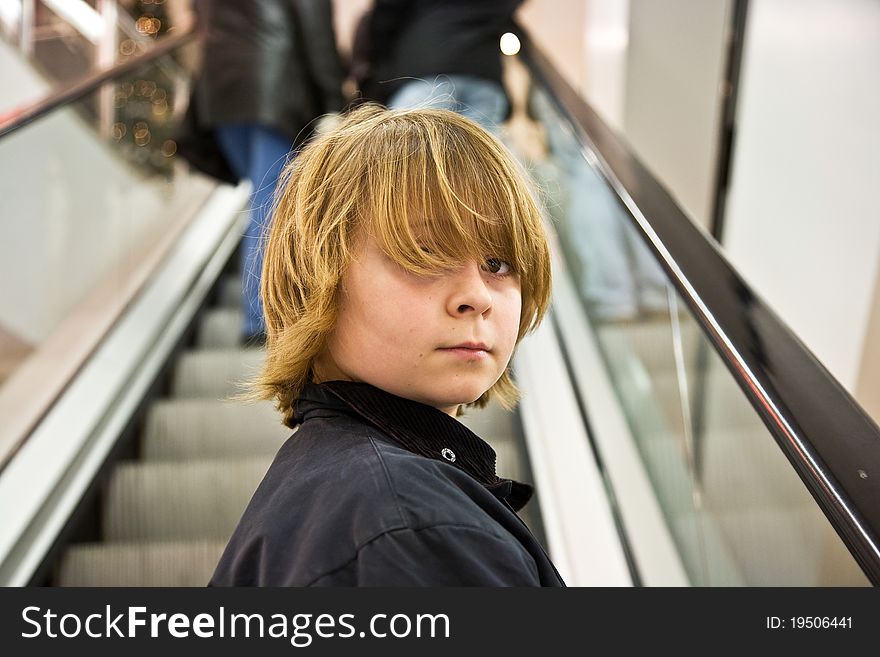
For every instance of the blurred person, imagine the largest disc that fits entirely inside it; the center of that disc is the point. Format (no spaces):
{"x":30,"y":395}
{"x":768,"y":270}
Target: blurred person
{"x":269,"y":70}
{"x":399,"y":277}
{"x":437,"y":53}
{"x":617,"y":276}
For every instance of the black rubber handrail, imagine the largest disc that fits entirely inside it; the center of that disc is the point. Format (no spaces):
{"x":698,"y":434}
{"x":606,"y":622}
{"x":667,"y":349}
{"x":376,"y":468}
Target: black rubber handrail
{"x":831,"y":442}
{"x":93,"y":81}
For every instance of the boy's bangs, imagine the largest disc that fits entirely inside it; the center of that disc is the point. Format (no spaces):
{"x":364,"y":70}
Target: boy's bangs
{"x":437,"y":220}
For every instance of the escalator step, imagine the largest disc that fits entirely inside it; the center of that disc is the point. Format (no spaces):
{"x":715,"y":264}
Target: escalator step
{"x":176,"y":501}
{"x":230,"y":292}
{"x":219,"y":328}
{"x":139,"y":564}
{"x":214,"y":374}
{"x":184,"y":429}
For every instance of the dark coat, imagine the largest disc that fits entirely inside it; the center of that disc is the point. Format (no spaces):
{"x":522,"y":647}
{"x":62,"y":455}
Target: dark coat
{"x":272,"y":62}
{"x":362,"y":495}
{"x":426,"y":38}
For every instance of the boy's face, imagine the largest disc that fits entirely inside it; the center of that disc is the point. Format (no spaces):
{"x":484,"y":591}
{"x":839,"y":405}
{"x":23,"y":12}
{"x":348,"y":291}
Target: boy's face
{"x":442,"y":340}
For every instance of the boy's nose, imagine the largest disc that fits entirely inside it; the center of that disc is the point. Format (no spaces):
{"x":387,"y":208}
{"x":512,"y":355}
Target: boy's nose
{"x":469,"y":291}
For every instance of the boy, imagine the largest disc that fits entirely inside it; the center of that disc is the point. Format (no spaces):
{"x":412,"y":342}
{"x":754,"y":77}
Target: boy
{"x":405,"y":260}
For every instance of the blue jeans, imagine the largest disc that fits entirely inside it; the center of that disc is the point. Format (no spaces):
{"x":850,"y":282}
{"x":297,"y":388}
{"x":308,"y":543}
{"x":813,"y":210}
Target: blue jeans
{"x":480,"y":100}
{"x":257,"y":153}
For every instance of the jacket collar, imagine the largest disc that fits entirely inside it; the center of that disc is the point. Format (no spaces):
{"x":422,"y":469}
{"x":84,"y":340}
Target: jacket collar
{"x":416,"y":427}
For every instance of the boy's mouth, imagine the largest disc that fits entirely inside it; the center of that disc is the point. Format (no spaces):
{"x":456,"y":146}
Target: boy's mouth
{"x":473,"y":346}
{"x":470,"y":351}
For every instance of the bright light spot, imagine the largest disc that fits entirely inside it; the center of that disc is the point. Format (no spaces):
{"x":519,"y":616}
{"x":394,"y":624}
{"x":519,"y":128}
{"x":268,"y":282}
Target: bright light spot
{"x":509,"y":43}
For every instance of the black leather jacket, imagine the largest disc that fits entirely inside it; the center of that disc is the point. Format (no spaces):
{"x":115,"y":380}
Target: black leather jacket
{"x":267,"y":62}
{"x":363,"y":494}
{"x":272,"y":62}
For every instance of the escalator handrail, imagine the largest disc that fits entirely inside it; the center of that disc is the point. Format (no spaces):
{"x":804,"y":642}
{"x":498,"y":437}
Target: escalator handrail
{"x":833,"y":445}
{"x":89,"y":83}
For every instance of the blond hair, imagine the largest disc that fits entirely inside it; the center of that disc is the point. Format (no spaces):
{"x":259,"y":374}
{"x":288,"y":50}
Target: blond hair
{"x":432,"y":188}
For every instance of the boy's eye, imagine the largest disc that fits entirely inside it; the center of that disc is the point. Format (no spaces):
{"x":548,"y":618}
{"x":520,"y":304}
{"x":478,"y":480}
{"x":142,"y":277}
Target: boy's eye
{"x":497,"y":266}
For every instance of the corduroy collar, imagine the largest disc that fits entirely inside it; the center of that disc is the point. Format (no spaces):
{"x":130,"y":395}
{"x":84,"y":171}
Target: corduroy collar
{"x":418,"y":428}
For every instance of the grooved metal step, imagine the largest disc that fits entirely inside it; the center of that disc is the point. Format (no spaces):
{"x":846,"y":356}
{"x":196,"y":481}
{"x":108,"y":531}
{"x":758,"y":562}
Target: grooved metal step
{"x":179,"y":500}
{"x":215,"y":374}
{"x":230,"y":292}
{"x":140,"y":564}
{"x":220,"y":328}
{"x":184,"y":429}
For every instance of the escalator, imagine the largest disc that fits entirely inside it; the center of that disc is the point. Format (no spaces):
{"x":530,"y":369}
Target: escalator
{"x":676,"y":431}
{"x":200,"y":459}
{"x":166,"y":515}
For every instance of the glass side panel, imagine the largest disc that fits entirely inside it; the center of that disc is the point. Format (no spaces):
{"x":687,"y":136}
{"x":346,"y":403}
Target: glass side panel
{"x":735,"y":507}
{"x":90,"y":192}
{"x":757,"y":509}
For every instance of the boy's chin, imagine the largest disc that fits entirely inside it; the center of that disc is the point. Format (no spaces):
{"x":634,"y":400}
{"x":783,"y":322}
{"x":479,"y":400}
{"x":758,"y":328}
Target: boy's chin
{"x":462,"y":396}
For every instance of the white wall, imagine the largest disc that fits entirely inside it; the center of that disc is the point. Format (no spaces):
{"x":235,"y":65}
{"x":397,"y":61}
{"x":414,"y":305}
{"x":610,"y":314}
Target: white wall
{"x":653,"y":71}
{"x":675,"y":65}
{"x":803,"y":221}
{"x":587,"y":41}
{"x":557,"y":28}
{"x":606,"y":43}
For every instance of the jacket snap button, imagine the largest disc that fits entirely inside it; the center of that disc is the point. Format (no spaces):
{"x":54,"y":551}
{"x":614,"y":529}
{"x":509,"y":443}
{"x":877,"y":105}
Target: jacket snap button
{"x":448,"y":454}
